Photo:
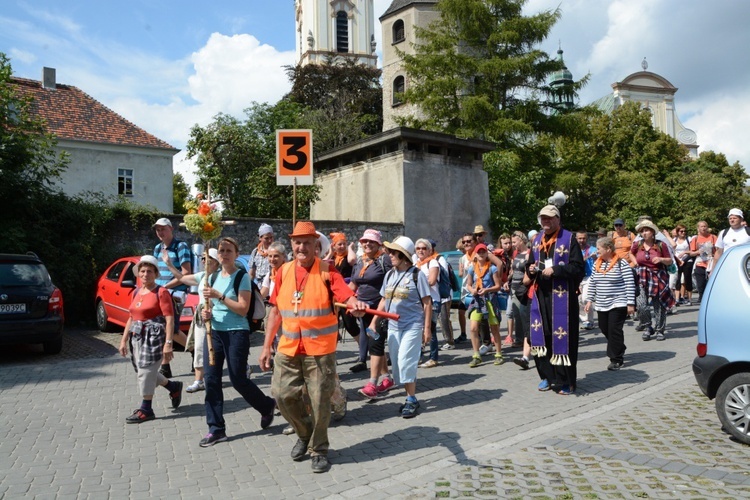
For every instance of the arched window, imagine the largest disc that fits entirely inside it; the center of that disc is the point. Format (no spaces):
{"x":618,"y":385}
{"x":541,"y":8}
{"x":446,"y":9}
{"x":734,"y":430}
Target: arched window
{"x":398,"y":90}
{"x":342,"y":32}
{"x":398,"y":31}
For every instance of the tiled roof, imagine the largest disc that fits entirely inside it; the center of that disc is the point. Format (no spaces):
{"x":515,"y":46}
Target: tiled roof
{"x":74,"y":115}
{"x":397,"y":5}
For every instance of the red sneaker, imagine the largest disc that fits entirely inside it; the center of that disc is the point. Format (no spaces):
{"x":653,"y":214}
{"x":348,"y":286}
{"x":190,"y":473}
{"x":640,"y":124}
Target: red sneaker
{"x":386,"y":385}
{"x":369,"y":391}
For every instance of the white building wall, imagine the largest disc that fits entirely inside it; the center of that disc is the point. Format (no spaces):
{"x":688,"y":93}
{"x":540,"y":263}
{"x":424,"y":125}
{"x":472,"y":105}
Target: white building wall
{"x":94,"y":168}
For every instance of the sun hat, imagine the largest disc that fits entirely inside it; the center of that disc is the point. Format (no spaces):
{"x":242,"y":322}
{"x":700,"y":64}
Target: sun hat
{"x":402,"y":244}
{"x":372,"y":235}
{"x":214,"y":254}
{"x":737,"y":212}
{"x":146,"y":259}
{"x":549,"y":211}
{"x":325,"y":244}
{"x":532,"y":233}
{"x":479,"y":229}
{"x":264,"y":229}
{"x":304,"y":228}
{"x":163,"y":222}
{"x":647,"y":223}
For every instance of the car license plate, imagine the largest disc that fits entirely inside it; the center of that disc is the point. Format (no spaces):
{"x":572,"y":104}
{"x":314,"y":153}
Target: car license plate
{"x":12,"y":308}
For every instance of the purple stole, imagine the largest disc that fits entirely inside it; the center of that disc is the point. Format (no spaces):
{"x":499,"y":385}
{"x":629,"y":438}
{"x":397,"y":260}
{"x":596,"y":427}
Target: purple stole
{"x":560,"y":305}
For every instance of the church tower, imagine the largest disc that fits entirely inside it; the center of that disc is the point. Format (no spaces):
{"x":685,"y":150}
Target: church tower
{"x":397,"y":23}
{"x":331,"y":28}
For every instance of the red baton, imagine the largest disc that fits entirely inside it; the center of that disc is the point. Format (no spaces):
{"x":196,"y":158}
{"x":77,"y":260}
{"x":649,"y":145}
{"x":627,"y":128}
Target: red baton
{"x":374,"y":312}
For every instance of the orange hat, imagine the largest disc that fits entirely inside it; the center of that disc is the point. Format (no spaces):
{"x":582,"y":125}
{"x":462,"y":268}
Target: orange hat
{"x":304,"y":228}
{"x":336,"y":237}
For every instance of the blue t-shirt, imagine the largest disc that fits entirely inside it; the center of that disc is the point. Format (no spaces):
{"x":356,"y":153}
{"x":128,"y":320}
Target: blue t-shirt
{"x":179,"y":253}
{"x":222,"y":318}
{"x":488,"y":279}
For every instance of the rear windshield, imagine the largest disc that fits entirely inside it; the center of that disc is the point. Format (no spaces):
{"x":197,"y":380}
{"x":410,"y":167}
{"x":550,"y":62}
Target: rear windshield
{"x":23,"y":274}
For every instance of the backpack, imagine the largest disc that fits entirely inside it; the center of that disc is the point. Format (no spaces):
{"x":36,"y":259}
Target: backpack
{"x":724,"y":232}
{"x":445,"y":288}
{"x":257,"y":310}
{"x":455,"y":284}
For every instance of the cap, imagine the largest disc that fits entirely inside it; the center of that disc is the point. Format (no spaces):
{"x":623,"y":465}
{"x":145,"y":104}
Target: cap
{"x":550,"y":211}
{"x":479,"y":247}
{"x":264,"y":229}
{"x":619,"y":222}
{"x":163,"y":222}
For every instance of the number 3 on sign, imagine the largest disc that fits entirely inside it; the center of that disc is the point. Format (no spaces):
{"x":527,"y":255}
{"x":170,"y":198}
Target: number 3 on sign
{"x":294,"y":152}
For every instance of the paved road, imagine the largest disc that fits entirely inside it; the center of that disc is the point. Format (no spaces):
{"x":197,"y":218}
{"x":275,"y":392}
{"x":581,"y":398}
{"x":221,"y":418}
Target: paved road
{"x":643,"y":432}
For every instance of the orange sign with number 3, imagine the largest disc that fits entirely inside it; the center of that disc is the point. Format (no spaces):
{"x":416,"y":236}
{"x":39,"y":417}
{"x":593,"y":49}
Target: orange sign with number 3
{"x":294,"y":152}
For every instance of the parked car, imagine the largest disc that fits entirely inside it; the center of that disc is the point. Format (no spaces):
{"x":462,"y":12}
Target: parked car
{"x":453,"y":257}
{"x":114,"y":293}
{"x":722,"y":367}
{"x":31,"y":306}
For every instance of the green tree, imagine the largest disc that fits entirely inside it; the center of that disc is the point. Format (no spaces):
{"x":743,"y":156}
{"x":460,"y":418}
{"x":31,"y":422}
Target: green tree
{"x":238,"y":159}
{"x":28,"y":160}
{"x":343,"y":100}
{"x":180,"y":193}
{"x":477,"y":72}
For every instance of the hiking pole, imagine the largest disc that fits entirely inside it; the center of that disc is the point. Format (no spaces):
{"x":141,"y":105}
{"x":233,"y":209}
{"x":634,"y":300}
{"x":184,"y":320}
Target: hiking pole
{"x":374,"y":312}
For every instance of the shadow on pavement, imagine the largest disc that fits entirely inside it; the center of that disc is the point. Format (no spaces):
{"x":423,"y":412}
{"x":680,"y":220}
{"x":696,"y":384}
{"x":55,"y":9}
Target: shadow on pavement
{"x":402,"y":441}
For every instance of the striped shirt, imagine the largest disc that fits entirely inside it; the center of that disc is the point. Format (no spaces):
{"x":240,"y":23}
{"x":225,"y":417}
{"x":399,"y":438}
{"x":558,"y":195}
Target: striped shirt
{"x":179,"y":253}
{"x":613,"y":289}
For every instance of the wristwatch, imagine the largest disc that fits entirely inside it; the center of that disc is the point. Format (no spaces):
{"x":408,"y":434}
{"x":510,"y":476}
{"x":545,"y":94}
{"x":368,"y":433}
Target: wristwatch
{"x":168,"y":342}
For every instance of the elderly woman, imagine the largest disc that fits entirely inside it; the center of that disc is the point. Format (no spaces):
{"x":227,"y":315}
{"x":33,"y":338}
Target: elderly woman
{"x":197,"y":334}
{"x":366,"y":281}
{"x":412,"y":301}
{"x":148,"y":335}
{"x":276,"y":255}
{"x":228,"y":294}
{"x":612,"y":290}
{"x":483,"y":282}
{"x":651,"y":259}
{"x":340,"y":254}
{"x":428,"y":264}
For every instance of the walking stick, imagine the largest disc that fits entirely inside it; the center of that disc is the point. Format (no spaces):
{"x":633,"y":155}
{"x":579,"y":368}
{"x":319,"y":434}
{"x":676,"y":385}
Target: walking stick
{"x":210,"y":341}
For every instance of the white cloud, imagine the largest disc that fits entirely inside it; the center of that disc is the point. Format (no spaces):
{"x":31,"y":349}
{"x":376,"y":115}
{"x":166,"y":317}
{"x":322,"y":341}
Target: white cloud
{"x":722,"y":126}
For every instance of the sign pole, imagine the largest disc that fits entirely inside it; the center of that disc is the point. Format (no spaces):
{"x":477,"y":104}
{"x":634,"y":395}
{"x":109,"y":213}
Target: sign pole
{"x":294,"y":202}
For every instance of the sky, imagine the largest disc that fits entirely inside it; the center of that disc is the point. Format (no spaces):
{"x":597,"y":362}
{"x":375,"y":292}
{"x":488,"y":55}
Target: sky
{"x":168,"y":65}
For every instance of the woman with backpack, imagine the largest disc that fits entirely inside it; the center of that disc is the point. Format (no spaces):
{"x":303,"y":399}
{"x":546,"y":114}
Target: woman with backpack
{"x":652,"y":258}
{"x":230,"y":333}
{"x":483,"y":283}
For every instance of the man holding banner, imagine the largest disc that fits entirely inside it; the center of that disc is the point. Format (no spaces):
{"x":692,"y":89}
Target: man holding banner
{"x":302,"y":307}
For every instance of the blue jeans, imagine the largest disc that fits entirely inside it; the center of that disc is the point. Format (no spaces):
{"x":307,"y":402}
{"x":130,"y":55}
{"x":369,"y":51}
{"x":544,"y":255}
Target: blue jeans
{"x":436,"y":306}
{"x":234,"y":346}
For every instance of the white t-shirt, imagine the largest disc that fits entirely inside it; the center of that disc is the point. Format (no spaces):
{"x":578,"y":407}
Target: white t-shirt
{"x":425,"y":268}
{"x":732,"y":238}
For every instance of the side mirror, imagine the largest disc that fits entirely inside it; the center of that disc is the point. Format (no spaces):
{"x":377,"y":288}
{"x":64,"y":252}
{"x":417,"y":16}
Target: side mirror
{"x":128,"y":284}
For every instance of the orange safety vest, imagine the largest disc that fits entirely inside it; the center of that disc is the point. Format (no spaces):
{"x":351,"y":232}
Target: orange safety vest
{"x":314,"y":323}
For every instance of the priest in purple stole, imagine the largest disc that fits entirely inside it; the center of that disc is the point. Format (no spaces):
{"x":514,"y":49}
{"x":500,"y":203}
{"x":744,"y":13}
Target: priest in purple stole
{"x":554,"y":270}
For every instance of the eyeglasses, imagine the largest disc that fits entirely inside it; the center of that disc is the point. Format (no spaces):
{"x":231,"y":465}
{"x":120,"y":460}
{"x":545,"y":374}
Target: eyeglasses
{"x":421,"y":248}
{"x":467,"y":242}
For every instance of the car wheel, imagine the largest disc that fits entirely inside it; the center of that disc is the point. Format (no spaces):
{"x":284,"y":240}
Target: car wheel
{"x":102,"y":320}
{"x":53,"y":346}
{"x":733,"y":406}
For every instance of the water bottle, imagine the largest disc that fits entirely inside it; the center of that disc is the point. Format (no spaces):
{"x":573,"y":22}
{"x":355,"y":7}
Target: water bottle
{"x":372,"y":333}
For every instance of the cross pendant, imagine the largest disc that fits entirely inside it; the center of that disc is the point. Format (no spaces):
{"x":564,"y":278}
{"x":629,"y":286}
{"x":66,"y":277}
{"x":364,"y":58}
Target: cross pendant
{"x":296,"y":300}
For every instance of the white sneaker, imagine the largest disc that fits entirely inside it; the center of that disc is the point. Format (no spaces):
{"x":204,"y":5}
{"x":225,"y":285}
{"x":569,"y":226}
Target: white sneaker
{"x":447,"y":347}
{"x":249,"y":371}
{"x":196,"y":386}
{"x":484,"y":350}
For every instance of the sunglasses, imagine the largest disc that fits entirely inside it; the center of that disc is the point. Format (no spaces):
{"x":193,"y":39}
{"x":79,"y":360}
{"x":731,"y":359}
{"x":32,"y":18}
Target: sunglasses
{"x":421,"y":248}
{"x":203,"y":259}
{"x":466,"y":242}
{"x":618,"y":225}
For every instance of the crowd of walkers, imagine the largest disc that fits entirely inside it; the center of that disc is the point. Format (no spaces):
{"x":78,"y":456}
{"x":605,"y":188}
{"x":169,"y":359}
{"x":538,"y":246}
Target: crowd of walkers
{"x":391,"y":297}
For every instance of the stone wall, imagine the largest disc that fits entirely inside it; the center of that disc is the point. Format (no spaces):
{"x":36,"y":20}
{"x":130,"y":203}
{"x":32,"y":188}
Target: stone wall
{"x":245,"y":230}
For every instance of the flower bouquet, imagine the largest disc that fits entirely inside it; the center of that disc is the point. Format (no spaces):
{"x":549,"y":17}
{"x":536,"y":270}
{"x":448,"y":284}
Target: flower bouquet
{"x":203,"y":218}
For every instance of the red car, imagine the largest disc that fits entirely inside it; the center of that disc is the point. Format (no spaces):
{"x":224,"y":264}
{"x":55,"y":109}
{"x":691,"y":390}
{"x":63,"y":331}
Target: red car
{"x":114,"y":293}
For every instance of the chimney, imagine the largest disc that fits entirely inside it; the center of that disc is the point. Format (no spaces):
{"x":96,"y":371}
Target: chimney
{"x":48,"y":78}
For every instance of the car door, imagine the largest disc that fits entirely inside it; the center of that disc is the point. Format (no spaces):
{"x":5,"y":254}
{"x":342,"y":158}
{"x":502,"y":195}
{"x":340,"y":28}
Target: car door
{"x":117,"y":290}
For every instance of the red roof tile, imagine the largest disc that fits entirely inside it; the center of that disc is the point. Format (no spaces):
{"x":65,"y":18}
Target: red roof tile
{"x":74,"y":115}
